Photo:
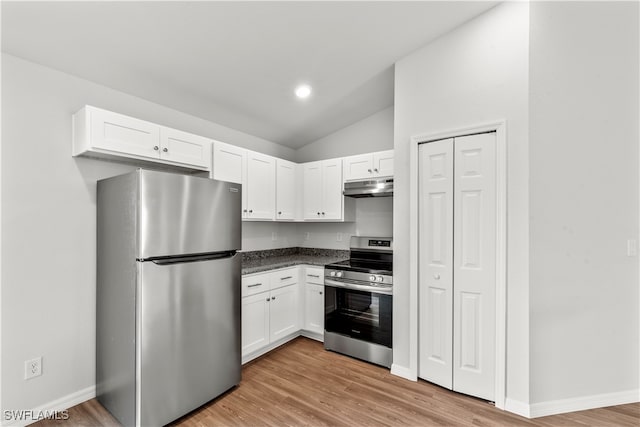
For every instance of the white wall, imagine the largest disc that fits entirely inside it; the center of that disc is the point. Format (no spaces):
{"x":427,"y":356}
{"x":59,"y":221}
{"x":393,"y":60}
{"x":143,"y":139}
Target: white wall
{"x":48,"y":225}
{"x":475,"y":74}
{"x":583,"y":199}
{"x":373,"y":133}
{"x":258,"y":236}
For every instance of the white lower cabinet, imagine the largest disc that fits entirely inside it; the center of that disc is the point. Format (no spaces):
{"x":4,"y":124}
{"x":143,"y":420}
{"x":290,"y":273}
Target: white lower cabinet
{"x":314,"y":308}
{"x":255,"y":322}
{"x":313,"y":279}
{"x":283,"y":314}
{"x":280,"y":305}
{"x":270,"y":310}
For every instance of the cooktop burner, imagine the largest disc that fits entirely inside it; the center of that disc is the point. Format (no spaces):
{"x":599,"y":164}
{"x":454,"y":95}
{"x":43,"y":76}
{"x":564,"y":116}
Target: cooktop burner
{"x":371,"y":255}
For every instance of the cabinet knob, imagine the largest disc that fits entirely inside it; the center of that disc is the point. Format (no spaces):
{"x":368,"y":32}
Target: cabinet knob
{"x":375,"y":170}
{"x":280,"y":213}
{"x":244,"y":210}
{"x":318,"y":213}
{"x":320,"y":292}
{"x":322,"y":213}
{"x":273,"y":298}
{"x":165,"y":149}
{"x":436,"y":276}
{"x":250,"y":210}
{"x":268,"y":299}
{"x":155,"y":147}
{"x":369,"y":170}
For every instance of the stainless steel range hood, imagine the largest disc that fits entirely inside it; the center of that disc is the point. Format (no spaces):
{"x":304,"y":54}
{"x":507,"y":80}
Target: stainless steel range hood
{"x":382,"y":187}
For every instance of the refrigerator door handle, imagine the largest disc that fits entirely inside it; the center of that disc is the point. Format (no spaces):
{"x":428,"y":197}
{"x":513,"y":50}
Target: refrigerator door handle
{"x":191,"y":258}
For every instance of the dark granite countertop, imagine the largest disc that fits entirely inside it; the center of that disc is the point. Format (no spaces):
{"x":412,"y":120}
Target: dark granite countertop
{"x":259,"y":261}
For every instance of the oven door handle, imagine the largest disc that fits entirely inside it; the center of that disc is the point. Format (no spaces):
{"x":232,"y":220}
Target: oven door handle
{"x":387,"y":290}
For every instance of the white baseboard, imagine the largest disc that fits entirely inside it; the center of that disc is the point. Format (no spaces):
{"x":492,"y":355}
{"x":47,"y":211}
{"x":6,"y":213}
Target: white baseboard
{"x":517,"y":407}
{"x":404,"y":372}
{"x":543,"y":409}
{"x":313,"y":335}
{"x":26,"y":417}
{"x":249,"y":357}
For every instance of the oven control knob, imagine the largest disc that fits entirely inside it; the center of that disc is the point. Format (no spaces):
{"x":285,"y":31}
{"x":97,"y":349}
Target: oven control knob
{"x":332,"y":273}
{"x":372,"y":278}
{"x":379,"y":279}
{"x":338,"y":273}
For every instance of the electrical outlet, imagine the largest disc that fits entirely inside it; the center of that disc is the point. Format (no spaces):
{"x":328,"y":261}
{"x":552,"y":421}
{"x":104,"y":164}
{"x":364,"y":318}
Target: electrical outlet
{"x":274,"y":236}
{"x":32,"y":368}
{"x":339,"y":237}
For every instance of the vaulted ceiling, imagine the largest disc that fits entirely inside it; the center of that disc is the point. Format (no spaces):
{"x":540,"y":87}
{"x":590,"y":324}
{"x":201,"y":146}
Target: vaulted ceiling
{"x":237,"y":63}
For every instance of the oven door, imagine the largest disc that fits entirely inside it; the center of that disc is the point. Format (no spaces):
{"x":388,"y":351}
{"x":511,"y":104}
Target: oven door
{"x":358,"y":313}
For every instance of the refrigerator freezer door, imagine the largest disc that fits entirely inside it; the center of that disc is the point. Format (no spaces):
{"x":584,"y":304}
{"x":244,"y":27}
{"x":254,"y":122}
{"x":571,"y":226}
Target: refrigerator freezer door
{"x":188,"y":345}
{"x":180,"y":215}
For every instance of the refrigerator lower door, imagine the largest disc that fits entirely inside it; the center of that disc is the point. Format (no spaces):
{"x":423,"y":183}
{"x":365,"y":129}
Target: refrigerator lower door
{"x":188,"y":347}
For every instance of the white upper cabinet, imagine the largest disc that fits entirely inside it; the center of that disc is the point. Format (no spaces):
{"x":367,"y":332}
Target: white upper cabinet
{"x":181,"y":147}
{"x":383,"y":163}
{"x":257,"y":174}
{"x":322,"y":192}
{"x":286,"y":194}
{"x":371,"y":165}
{"x":102,"y":133}
{"x":230,"y":164}
{"x":260,"y":188}
{"x":312,"y":191}
{"x":332,"y":197}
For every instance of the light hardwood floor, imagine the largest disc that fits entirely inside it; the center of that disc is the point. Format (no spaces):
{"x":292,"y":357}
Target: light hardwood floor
{"x":301,"y":384}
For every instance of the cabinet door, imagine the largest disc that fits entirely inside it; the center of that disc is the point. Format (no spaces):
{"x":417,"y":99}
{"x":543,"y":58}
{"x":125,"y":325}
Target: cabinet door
{"x":283,"y":312}
{"x":285,"y":189}
{"x":182,"y":147}
{"x":255,"y":322}
{"x":122,"y":134}
{"x":312,"y":182}
{"x":358,"y":167}
{"x":314,"y":308}
{"x":383,"y":163}
{"x":230,"y":164}
{"x":332,"y":189}
{"x":260,"y":188}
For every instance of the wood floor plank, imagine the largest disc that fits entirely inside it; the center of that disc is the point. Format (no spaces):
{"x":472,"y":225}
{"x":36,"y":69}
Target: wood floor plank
{"x":301,"y":384}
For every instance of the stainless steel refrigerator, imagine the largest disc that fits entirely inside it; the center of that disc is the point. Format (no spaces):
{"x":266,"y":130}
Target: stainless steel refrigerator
{"x":168,"y":294}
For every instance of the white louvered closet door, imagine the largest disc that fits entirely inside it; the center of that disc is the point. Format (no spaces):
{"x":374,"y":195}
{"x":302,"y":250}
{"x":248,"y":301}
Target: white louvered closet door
{"x":469,"y":330}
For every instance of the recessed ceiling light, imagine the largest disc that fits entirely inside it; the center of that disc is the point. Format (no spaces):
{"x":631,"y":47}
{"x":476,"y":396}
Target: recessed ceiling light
{"x":303,"y":91}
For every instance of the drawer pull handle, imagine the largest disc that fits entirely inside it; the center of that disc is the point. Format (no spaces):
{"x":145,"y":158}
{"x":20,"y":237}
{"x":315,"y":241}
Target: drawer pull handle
{"x":254,"y":285}
{"x":313,"y":275}
{"x":286,"y":278}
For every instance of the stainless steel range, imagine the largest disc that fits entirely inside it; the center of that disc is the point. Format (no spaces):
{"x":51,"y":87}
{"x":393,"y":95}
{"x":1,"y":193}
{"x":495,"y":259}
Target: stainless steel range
{"x":358,"y":301}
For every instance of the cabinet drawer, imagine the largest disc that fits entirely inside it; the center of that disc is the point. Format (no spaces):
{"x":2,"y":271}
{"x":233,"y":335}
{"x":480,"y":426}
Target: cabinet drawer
{"x":285,"y":277}
{"x":314,"y":275}
{"x":255,"y":284}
